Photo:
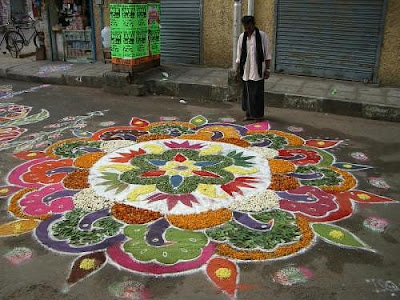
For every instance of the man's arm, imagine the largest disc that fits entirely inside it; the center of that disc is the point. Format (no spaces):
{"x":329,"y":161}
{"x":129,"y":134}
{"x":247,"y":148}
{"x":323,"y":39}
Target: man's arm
{"x":238,"y":55}
{"x":267,"y":57}
{"x":267,"y":69}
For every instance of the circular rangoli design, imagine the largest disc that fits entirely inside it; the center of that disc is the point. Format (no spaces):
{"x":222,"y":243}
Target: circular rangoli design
{"x":167,"y":198}
{"x":180,"y":176}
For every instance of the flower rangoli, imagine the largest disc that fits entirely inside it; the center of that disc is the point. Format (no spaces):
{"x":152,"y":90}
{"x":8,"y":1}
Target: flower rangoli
{"x":166,"y":198}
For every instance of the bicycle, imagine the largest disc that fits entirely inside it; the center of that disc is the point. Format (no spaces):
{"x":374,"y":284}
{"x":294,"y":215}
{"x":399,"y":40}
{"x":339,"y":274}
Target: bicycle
{"x":16,"y":40}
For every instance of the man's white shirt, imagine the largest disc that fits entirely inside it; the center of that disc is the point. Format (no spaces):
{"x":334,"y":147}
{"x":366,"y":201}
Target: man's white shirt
{"x":251,"y":67}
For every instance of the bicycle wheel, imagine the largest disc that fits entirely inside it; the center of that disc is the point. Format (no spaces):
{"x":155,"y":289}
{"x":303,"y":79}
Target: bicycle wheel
{"x":15,"y":43}
{"x":36,"y":41}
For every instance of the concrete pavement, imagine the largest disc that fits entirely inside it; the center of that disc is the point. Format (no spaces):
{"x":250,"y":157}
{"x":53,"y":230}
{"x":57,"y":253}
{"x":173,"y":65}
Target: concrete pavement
{"x":216,"y":84}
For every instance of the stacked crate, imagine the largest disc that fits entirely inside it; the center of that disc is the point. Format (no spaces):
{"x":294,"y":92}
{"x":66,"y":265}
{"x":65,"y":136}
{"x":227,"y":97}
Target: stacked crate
{"x":135,"y":35}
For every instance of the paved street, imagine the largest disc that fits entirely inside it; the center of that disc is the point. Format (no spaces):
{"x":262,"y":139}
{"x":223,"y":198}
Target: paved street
{"x":338,"y":247}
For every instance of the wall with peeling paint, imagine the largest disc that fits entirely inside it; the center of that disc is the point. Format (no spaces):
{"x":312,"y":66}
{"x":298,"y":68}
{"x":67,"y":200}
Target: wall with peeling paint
{"x":217,"y":28}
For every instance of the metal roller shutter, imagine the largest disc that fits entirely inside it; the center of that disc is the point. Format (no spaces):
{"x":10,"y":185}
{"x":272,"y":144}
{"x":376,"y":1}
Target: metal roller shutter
{"x":180,"y":31}
{"x":329,"y":38}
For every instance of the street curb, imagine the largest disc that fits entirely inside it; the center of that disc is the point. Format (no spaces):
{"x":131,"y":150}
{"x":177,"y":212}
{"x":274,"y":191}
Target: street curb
{"x":333,"y":106}
{"x":187,"y":90}
{"x":138,"y":85}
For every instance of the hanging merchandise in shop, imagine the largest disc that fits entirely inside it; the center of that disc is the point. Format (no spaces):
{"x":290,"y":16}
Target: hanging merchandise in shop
{"x":73,"y":31}
{"x":135,"y":35}
{"x":36,"y":8}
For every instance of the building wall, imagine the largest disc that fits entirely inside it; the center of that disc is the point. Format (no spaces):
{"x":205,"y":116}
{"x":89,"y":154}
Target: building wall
{"x":217,"y":32}
{"x":217,"y":35}
{"x":389,"y":68}
{"x":218,"y":26}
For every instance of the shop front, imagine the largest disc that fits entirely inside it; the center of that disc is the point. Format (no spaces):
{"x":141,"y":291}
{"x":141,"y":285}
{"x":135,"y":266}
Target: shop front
{"x":71,"y":30}
{"x":333,"y":39}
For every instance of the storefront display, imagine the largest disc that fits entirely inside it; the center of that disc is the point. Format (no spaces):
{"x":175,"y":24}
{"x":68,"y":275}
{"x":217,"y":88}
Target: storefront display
{"x":78,"y":45}
{"x":74,"y":24}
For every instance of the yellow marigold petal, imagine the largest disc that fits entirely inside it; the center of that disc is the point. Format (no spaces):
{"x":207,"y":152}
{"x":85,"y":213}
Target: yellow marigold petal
{"x":172,"y":172}
{"x":203,"y":220}
{"x":235,"y":141}
{"x":213,"y":149}
{"x":203,"y":136}
{"x":228,"y":132}
{"x":18,"y":227}
{"x":152,"y":137}
{"x":336,"y":234}
{"x":186,"y":173}
{"x":118,"y":167}
{"x":241,"y":171}
{"x":223,"y":273}
{"x":278,"y":166}
{"x":363,"y":196}
{"x":88,"y":264}
{"x":87,"y":160}
{"x":210,"y":190}
{"x":154,"y":149}
{"x":140,"y":191}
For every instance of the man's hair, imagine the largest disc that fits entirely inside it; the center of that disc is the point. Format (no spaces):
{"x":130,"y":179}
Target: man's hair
{"x":248,"y":20}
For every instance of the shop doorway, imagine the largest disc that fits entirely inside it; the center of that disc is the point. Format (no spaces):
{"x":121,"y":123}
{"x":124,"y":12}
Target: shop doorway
{"x":329,"y":38}
{"x":181,"y":31}
{"x":74,"y":31}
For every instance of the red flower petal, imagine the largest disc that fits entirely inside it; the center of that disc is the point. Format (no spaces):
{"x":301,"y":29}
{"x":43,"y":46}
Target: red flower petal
{"x":153,"y":173}
{"x":227,"y":285}
{"x":172,"y":200}
{"x":157,"y":197}
{"x":206,"y":174}
{"x":345,"y":210}
{"x":323,"y":144}
{"x":185,"y":145}
{"x":180,"y":158}
{"x":300,"y":156}
{"x":187,"y":199}
{"x":125,"y":157}
{"x":136,"y":122}
{"x":234,"y":186}
{"x":29,"y":155}
{"x":364,"y":197}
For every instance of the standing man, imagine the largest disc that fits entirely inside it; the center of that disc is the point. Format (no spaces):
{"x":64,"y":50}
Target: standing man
{"x":252,"y":65}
